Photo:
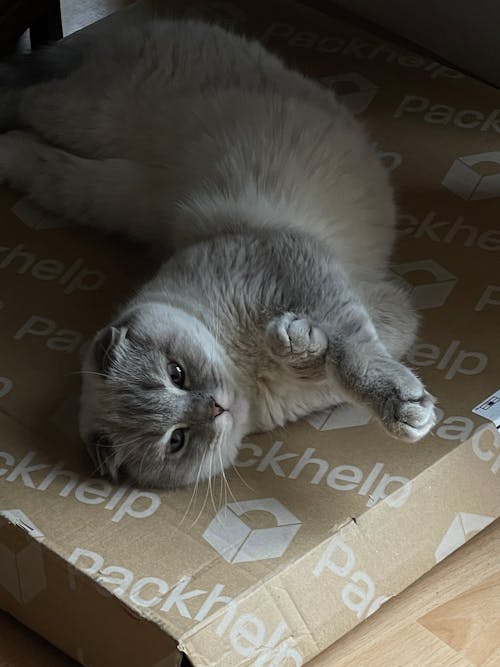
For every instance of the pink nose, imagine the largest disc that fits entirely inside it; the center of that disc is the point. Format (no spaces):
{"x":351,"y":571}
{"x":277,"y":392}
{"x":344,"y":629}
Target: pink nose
{"x":217,"y":410}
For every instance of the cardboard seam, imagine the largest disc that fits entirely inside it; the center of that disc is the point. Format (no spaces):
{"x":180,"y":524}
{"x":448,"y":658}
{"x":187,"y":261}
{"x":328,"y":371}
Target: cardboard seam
{"x":52,"y":553}
{"x":244,"y":595}
{"x":247,"y":593}
{"x":427,"y":551}
{"x":354,"y":524}
{"x":356,"y":521}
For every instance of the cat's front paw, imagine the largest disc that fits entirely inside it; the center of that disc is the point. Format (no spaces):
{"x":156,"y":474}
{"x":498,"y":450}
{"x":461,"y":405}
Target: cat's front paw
{"x":296,"y":339}
{"x":405,"y":407}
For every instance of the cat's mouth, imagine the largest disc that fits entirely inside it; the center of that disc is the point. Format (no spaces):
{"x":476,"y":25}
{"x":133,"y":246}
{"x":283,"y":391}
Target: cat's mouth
{"x":223,"y":416}
{"x":235,"y":410}
{"x":226,"y":401}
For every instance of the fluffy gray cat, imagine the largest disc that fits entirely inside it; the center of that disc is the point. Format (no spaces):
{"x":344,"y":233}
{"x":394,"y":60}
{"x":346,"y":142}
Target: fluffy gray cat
{"x":277,"y":299}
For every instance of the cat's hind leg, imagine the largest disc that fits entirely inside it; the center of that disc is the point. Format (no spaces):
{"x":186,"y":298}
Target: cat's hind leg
{"x":44,"y":72}
{"x":50,"y":62}
{"x":24,"y":70}
{"x":115,"y":194}
{"x":62,"y":110}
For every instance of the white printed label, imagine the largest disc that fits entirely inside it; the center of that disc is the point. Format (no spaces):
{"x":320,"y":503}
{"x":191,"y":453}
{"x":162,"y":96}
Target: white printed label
{"x":490,"y":409}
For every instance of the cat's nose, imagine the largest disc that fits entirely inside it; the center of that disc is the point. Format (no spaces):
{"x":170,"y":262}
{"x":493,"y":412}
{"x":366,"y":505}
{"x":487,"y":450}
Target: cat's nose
{"x":216,"y":409}
{"x":203,"y":409}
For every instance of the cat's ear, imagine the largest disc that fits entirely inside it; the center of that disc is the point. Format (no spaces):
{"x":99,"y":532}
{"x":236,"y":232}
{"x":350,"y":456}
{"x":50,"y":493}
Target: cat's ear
{"x":105,"y":345}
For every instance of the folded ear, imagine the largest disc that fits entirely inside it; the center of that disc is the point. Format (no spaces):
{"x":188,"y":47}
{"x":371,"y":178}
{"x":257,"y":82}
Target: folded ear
{"x":105,"y":345}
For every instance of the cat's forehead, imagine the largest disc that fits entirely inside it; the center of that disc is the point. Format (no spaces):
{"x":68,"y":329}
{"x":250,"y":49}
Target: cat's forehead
{"x":153,"y":340}
{"x":158,"y":322}
{"x":154,"y":349}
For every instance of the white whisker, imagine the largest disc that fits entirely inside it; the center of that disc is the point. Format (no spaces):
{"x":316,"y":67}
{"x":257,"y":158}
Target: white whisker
{"x":224,"y":476}
{"x":207,"y":491}
{"x":195,"y":489}
{"x":212,"y":498}
{"x":84,"y":372}
{"x":241,"y":478}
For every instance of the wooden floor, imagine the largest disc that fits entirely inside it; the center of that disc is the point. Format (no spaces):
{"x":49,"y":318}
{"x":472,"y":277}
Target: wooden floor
{"x":450,"y":618}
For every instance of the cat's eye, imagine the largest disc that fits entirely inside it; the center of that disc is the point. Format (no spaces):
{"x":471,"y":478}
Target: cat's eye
{"x":176,"y":374}
{"x":177,"y":440}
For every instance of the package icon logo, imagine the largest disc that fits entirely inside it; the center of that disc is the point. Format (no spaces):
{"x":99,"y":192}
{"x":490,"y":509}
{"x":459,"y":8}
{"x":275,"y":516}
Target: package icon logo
{"x":341,"y":416}
{"x":433,"y":294}
{"x":236,"y":542}
{"x":22,"y":573}
{"x":356,"y":100}
{"x":35,"y":217}
{"x":465,"y":181}
{"x":461,"y":529}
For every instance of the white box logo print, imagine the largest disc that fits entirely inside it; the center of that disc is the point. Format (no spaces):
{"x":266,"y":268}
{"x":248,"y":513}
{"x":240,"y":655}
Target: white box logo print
{"x":35,"y":217}
{"x":461,"y":529}
{"x":238,"y":543}
{"x":341,"y":416}
{"x":356,"y":100}
{"x":433,"y":294}
{"x":465,"y":181}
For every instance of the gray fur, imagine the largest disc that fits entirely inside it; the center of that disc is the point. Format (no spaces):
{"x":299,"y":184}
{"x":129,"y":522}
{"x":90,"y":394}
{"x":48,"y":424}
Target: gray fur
{"x":277,"y":300}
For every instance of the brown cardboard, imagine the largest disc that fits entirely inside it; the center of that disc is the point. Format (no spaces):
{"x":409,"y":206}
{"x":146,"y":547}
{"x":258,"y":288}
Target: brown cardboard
{"x":347,"y":517}
{"x":22,"y":648}
{"x":453,"y":31}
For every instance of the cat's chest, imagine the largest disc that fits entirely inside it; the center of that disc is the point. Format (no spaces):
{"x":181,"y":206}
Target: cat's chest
{"x":283,"y":400}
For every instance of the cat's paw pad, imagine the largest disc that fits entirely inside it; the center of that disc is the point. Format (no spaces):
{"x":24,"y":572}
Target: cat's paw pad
{"x":291,"y":336}
{"x":408,"y":410}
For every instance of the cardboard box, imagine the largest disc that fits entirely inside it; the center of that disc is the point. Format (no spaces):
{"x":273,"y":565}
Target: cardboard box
{"x":324,"y":520}
{"x":453,"y":31}
{"x":20,"y":647}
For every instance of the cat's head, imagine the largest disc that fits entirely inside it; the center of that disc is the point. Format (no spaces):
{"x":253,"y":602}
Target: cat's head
{"x":159,"y":403}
